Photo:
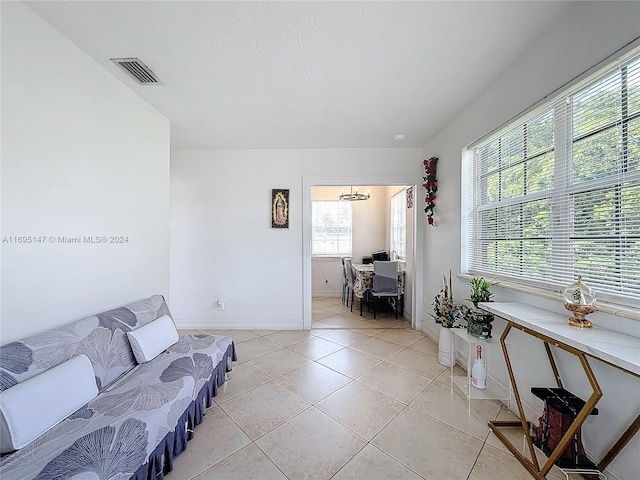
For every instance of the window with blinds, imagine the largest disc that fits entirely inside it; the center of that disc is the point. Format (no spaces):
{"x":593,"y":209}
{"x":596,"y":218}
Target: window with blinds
{"x":556,"y":193}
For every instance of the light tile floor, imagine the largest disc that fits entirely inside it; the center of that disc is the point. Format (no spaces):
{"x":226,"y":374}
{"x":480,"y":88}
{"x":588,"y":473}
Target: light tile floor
{"x":354,"y":398}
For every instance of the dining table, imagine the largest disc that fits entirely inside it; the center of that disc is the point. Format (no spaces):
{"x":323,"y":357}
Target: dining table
{"x":363,"y":280}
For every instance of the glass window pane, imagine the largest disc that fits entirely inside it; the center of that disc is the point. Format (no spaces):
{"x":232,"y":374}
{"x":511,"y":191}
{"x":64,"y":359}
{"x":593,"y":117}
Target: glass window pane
{"x":510,"y":254}
{"x":630,"y":278}
{"x":633,"y":86}
{"x":537,"y":219}
{"x":540,"y":134}
{"x":633,"y":145}
{"x":595,"y":213}
{"x":489,"y":224}
{"x":597,"y":106}
{"x":513,"y":146}
{"x":493,"y":187}
{"x":536,"y":253}
{"x":630,"y":211}
{"x":540,"y":173}
{"x":331,"y":227}
{"x":512,"y":182}
{"x":491,"y":155}
{"x":597,"y":156}
{"x":509,"y":222}
{"x":595,"y":260}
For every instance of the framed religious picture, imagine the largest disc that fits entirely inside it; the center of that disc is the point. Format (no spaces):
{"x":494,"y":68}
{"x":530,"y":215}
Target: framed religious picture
{"x":410,"y":197}
{"x":279,"y":208}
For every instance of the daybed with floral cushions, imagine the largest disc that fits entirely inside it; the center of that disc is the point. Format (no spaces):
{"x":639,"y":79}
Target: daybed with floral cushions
{"x":113,"y":396}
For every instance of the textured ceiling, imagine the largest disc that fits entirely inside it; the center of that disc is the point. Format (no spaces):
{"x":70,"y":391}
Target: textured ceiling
{"x":256,"y":75}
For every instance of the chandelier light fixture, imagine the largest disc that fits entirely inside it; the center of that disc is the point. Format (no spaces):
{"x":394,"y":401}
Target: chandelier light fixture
{"x":354,"y":196}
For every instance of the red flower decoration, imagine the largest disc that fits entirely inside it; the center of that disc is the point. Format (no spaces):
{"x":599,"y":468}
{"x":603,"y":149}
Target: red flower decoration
{"x":431,"y":187}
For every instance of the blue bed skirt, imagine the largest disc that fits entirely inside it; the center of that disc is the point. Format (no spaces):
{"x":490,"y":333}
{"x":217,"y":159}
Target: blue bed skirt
{"x":175,"y":442}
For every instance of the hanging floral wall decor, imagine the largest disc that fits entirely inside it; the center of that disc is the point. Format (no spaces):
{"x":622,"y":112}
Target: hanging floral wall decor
{"x":431,"y":186}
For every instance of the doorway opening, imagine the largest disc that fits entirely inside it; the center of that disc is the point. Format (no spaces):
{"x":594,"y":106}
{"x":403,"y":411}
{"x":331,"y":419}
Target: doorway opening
{"x":371,"y":232}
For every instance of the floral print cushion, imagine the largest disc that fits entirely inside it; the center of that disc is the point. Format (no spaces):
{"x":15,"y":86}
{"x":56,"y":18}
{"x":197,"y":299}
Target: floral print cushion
{"x":118,"y":431}
{"x":115,"y":435}
{"x":102,"y":338}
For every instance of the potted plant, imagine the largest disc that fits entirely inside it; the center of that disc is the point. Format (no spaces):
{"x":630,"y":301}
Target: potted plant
{"x":480,"y":290}
{"x":478,"y":321}
{"x":445,"y":314}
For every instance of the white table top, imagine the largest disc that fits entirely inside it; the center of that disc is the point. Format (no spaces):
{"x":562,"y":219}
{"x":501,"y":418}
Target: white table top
{"x":612,"y":347}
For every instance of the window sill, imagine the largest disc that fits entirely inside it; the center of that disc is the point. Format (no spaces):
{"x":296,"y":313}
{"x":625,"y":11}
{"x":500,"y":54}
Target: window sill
{"x":606,"y":307}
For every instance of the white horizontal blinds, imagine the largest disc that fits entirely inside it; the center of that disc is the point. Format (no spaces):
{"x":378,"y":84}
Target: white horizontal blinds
{"x":603,"y":191}
{"x":514,"y":171}
{"x":557,"y":193}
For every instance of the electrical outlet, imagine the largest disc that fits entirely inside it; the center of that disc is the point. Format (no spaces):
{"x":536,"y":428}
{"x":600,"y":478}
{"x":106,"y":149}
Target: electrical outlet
{"x":220,"y":305}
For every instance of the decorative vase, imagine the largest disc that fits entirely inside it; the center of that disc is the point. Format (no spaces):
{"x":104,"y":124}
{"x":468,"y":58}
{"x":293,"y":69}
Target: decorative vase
{"x":479,"y":323}
{"x":579,"y":300}
{"x":446,"y":352}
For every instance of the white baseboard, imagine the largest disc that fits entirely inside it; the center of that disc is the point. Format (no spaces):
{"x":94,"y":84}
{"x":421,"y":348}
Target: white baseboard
{"x":432,"y":336}
{"x":239,"y":325}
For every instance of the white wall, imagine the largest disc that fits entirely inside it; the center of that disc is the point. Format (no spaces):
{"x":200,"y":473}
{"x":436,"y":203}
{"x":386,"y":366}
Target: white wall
{"x":589,"y":32}
{"x":222,"y":243}
{"x":82,"y":155}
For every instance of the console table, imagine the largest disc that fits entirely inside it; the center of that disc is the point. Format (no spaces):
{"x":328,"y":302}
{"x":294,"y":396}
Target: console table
{"x":615,"y":349}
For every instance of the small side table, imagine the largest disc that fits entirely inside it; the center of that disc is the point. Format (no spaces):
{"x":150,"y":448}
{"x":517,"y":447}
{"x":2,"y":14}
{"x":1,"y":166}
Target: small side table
{"x":493,"y":390}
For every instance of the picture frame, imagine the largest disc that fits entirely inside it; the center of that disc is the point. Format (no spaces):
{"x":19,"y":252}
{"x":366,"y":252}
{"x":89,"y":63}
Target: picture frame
{"x":280,"y":208}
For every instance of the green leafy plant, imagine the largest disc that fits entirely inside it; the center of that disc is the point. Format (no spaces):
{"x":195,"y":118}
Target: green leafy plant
{"x":480,"y":290}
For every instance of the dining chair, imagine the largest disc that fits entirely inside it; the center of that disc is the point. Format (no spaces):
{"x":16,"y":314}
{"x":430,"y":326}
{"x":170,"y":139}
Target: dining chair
{"x":345,"y":281}
{"x":385,"y":283}
{"x":348,"y":268}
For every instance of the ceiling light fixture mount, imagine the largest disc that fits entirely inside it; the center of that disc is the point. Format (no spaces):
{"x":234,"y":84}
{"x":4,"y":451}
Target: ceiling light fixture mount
{"x":354,"y":196}
{"x":399,"y":137}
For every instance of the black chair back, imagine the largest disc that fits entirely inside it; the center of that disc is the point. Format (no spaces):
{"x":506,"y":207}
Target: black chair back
{"x":381,"y":256}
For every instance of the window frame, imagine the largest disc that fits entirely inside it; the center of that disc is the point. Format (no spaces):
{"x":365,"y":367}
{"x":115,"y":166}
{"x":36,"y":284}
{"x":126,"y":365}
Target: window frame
{"x":562,"y":195}
{"x":393,"y":228}
{"x":337,"y":253}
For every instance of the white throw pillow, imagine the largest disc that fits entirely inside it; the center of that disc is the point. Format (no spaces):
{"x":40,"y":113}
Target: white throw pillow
{"x":148,"y":341}
{"x":30,"y":408}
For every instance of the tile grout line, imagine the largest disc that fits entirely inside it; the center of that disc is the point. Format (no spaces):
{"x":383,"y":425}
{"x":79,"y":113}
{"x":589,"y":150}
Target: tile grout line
{"x":277,"y":379}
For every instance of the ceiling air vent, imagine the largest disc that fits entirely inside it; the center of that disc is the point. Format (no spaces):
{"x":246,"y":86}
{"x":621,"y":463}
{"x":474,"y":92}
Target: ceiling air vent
{"x":138,"y":70}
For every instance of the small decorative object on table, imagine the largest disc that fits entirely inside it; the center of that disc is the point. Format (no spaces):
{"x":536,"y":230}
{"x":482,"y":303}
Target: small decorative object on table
{"x":579,"y":299}
{"x":431,"y":186}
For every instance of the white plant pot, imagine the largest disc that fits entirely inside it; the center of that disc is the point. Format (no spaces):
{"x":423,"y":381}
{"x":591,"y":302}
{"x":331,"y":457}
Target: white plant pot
{"x":446,"y":352}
